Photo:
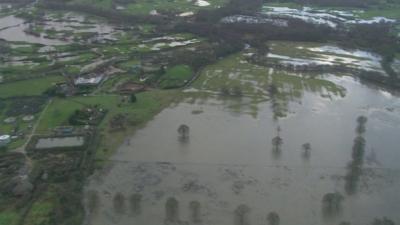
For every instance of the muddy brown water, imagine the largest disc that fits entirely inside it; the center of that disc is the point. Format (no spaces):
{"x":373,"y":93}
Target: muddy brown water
{"x":227,"y":162}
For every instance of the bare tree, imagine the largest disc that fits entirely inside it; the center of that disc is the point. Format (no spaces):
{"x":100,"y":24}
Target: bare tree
{"x":195,"y":212}
{"x":241,"y":215}
{"x":273,"y":218}
{"x":332,"y":203}
{"x":306,"y":147}
{"x":183,"y":131}
{"x":135,"y":202}
{"x":119,"y":202}
{"x":172,"y":210}
{"x":93,"y":201}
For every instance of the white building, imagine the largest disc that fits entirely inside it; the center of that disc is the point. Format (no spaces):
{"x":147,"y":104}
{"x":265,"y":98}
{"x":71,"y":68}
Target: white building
{"x":4,"y":140}
{"x":91,"y":80}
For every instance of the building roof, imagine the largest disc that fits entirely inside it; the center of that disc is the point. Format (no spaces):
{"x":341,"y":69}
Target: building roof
{"x":5,"y":137}
{"x":89,"y":80}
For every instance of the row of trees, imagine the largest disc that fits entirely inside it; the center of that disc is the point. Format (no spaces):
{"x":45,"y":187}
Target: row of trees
{"x":354,"y":172}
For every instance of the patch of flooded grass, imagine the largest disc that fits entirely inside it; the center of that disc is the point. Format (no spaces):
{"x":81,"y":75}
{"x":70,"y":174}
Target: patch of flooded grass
{"x":253,"y":81}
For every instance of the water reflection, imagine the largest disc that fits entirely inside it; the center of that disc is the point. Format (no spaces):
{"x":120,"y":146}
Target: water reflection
{"x":228,"y":163}
{"x":355,"y":167}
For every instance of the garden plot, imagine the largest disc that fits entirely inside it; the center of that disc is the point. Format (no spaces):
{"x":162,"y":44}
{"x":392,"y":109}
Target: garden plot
{"x":327,"y":17}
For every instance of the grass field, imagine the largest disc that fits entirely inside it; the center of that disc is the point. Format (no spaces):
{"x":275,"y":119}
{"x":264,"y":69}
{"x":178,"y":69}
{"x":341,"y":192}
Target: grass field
{"x":30,"y":87}
{"x":176,"y":76}
{"x":145,"y":6}
{"x":9,"y":218}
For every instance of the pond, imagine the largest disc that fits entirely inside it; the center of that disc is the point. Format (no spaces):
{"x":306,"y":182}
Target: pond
{"x":228,"y":160}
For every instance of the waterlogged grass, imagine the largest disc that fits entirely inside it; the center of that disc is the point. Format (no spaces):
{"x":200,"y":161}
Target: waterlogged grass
{"x":30,"y":87}
{"x":253,"y":81}
{"x":176,"y":76}
{"x":383,"y":9}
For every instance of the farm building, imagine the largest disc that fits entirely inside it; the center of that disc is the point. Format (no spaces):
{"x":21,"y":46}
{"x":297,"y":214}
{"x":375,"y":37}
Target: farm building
{"x":4,"y":140}
{"x":89,"y":80}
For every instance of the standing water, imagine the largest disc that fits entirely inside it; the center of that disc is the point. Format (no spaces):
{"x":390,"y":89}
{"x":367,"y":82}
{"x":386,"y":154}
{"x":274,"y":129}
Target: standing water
{"x":227,"y":173}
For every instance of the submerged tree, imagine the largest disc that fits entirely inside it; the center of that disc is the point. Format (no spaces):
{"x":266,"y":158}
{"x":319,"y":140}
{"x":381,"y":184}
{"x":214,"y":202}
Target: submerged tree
{"x":241,"y":215}
{"x":277,"y":143}
{"x":172,"y":210}
{"x":332,"y":203}
{"x":383,"y":221}
{"x":273,"y":218}
{"x":183,"y":131}
{"x":93,"y":201}
{"x":354,"y":172}
{"x":135,"y":203}
{"x":195,"y":211}
{"x":119,"y":202}
{"x":306,"y":150}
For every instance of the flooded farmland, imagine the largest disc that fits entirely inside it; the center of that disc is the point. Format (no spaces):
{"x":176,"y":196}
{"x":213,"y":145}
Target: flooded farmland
{"x":227,"y":172}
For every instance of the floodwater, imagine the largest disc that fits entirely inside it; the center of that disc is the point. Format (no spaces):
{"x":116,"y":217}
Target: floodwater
{"x":12,"y":29}
{"x":61,"y":142}
{"x":228,"y":162}
{"x":331,"y":18}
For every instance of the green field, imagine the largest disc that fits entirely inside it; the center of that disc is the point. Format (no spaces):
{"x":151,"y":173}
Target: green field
{"x":144,"y":6}
{"x":30,"y":87}
{"x":9,"y":218}
{"x":176,"y":76}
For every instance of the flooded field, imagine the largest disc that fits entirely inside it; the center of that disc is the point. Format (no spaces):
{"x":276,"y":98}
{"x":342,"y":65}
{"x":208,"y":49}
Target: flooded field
{"x":328,"y":17}
{"x":227,"y":172}
{"x":54,"y":29}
